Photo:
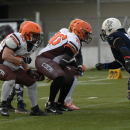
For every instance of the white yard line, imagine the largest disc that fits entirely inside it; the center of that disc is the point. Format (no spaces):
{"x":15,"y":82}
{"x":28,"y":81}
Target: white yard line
{"x":98,"y":79}
{"x":17,"y":119}
{"x":103,"y":104}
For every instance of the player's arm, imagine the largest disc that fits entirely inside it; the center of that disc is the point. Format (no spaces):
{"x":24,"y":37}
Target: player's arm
{"x":120,"y":45}
{"x":8,"y":56}
{"x":66,"y":57}
{"x":8,"y":53}
{"x":79,"y":60}
{"x":113,"y":65}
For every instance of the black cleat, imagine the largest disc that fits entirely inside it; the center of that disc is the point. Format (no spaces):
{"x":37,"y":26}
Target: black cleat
{"x":52,"y":109}
{"x":35,"y":111}
{"x":20,"y":108}
{"x":3,"y":110}
{"x":62,"y":107}
{"x":9,"y":106}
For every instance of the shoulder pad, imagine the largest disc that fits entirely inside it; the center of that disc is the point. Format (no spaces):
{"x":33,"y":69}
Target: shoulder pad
{"x":112,"y":37}
{"x":10,"y":43}
{"x":74,"y":43}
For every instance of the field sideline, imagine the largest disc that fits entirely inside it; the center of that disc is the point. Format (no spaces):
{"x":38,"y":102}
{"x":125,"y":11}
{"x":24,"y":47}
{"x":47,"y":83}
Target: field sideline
{"x":104,"y":106}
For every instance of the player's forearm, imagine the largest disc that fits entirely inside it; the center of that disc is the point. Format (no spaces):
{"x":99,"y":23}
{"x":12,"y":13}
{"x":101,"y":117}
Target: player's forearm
{"x":11,"y":58}
{"x":113,"y":65}
{"x":25,"y":66}
{"x":122,"y":48}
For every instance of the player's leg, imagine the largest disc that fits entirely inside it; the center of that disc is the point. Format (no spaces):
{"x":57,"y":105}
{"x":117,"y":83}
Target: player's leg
{"x":69,"y":78}
{"x":10,"y":99}
{"x":20,"y":104}
{"x":9,"y":77}
{"x":54,"y":72}
{"x":68,"y":99}
{"x":31,"y":84}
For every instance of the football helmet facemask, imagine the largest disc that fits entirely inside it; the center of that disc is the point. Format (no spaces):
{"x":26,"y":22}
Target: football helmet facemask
{"x":109,"y":25}
{"x":83,"y":30}
{"x":33,"y":34}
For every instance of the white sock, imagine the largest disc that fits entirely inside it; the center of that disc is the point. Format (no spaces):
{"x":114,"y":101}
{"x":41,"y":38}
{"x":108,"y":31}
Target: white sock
{"x":68,"y":97}
{"x":6,"y":89}
{"x":32,"y":94}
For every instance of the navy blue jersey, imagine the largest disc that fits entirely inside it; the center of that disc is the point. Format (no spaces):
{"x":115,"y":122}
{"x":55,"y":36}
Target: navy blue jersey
{"x":120,"y":33}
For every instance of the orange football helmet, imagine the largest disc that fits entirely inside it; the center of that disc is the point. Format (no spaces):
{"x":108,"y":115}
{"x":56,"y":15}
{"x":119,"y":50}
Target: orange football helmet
{"x":83,"y":30}
{"x":22,"y":25}
{"x":32,"y":33}
{"x":72,"y":24}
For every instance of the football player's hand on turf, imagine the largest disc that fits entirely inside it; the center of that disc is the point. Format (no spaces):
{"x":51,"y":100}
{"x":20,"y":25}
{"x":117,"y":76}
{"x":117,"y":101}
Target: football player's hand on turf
{"x":31,"y":73}
{"x":80,"y":69}
{"x":100,"y":66}
{"x":127,"y":64}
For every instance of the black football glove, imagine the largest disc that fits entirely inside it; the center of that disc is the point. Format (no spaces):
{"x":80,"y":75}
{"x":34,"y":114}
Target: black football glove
{"x":26,"y":60}
{"x":127,"y":64}
{"x":80,"y":70}
{"x":100,"y":66}
{"x":31,"y":73}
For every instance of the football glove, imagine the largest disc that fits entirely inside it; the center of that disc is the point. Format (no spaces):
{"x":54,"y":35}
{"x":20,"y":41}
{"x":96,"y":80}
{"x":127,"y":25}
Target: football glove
{"x":31,"y":73}
{"x":26,"y":60}
{"x":127,"y":64}
{"x":80,"y":70}
{"x":100,"y":66}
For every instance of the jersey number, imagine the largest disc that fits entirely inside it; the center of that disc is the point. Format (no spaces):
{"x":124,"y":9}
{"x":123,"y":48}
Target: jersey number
{"x":57,"y":38}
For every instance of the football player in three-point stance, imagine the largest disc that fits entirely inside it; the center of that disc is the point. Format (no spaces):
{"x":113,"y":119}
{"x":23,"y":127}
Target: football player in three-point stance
{"x":52,"y":62}
{"x":78,"y":63}
{"x":18,"y":90}
{"x":15,"y":50}
{"x":119,"y":42}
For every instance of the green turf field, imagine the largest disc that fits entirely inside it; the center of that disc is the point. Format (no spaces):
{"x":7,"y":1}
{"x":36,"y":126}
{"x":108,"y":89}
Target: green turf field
{"x":104,"y":106}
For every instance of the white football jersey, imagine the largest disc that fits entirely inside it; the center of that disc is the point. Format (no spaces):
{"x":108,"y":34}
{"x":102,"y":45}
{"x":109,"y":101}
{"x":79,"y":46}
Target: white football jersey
{"x":16,"y":42}
{"x":61,"y":39}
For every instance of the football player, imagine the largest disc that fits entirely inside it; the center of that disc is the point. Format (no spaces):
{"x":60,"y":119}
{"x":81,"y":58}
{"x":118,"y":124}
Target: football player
{"x":81,"y":68}
{"x":15,"y":51}
{"x":52,"y":62}
{"x":119,"y":42}
{"x":18,"y":90}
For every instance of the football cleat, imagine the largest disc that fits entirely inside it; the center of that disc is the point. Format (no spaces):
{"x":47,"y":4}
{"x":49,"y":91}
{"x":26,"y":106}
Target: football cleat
{"x":10,"y":107}
{"x":3,"y":110}
{"x":35,"y":111}
{"x":20,"y":108}
{"x":71,"y":106}
{"x":62,"y":107}
{"x":52,"y":109}
{"x":8,"y":104}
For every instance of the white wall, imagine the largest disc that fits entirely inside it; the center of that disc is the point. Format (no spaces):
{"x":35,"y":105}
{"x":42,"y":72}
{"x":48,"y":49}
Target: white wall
{"x":90,"y":55}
